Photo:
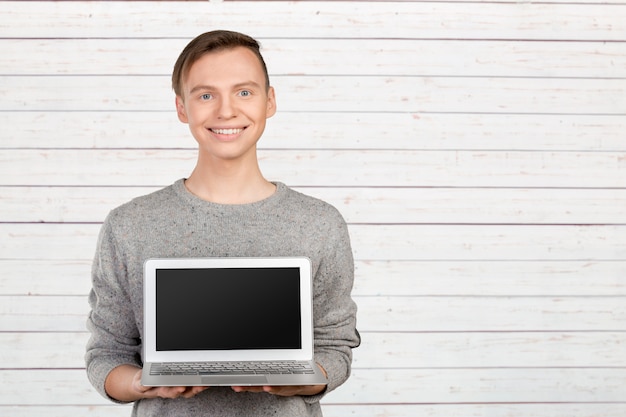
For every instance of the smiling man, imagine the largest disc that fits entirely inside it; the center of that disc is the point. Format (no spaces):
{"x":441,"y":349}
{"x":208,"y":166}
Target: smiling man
{"x":225,"y":207}
{"x":226,"y":99}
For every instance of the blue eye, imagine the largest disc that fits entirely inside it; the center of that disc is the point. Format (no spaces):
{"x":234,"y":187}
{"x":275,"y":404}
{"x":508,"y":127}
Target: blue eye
{"x":245,"y":93}
{"x":206,"y":96}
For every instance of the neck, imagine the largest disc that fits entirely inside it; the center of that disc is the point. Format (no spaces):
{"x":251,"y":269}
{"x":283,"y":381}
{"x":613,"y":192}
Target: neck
{"x":229,"y":182}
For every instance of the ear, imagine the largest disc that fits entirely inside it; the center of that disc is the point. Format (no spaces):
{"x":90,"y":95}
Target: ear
{"x":271,"y":103}
{"x":180,"y":109}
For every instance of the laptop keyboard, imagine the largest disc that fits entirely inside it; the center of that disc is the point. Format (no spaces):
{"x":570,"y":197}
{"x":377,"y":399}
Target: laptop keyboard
{"x":231,"y":368}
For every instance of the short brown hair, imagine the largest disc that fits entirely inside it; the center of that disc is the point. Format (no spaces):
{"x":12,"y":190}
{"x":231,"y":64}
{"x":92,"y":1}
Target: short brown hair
{"x":213,"y":41}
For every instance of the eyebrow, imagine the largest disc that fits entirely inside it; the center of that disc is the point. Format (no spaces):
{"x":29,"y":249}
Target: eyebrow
{"x":235,"y":87}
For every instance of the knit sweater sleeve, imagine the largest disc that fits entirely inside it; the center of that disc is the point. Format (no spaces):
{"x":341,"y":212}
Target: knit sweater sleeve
{"x":115,"y":339}
{"x":334,"y":310}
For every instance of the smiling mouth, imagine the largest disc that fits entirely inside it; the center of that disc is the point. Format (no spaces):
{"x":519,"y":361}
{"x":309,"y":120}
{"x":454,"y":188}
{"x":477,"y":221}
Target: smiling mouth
{"x":227,"y":131}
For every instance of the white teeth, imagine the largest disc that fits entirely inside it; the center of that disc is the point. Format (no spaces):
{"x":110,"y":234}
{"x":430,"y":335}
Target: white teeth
{"x":227,"y":131}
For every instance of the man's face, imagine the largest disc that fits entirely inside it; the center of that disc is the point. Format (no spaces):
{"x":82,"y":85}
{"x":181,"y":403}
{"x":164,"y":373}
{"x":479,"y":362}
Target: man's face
{"x":226,"y":104}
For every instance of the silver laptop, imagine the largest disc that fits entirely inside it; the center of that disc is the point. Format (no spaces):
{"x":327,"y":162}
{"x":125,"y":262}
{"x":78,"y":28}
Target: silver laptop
{"x":228,"y":322}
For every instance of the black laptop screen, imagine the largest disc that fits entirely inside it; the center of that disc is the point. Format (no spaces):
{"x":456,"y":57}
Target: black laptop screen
{"x":228,"y":308}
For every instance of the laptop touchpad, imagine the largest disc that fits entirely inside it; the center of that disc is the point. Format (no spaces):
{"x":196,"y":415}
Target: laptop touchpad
{"x":234,"y":380}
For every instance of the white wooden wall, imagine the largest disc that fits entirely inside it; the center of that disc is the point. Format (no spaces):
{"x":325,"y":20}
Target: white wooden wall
{"x":477,"y":150}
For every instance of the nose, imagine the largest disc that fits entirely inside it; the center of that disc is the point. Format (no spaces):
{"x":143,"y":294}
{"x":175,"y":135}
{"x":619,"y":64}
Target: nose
{"x":226,"y":108}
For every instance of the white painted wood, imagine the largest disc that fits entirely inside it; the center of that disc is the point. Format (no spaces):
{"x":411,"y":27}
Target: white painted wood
{"x":290,"y":56}
{"x":357,"y":205}
{"x":379,"y":278}
{"x":368,"y":168}
{"x":490,"y":350}
{"x":480,"y":385}
{"x":52,"y":350}
{"x":101,"y":410}
{"x":495,"y":278}
{"x":466,"y":314}
{"x":476,"y":410}
{"x":379,"y":314}
{"x":43,"y":313}
{"x":346,"y":130}
{"x":329,"y":94}
{"x":448,"y":242}
{"x":365,"y":387}
{"x":48,"y":241}
{"x":475,"y":148}
{"x":423,"y":20}
{"x":45,"y":277}
{"x":373,"y":242}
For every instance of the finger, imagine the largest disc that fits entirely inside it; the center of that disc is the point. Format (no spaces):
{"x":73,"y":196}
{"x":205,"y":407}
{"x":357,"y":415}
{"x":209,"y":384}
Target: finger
{"x":198,"y":390}
{"x":193,"y":391}
{"x":171,"y":392}
{"x":247,"y":389}
{"x":270,"y":389}
{"x":188,"y":394}
{"x":289,"y":390}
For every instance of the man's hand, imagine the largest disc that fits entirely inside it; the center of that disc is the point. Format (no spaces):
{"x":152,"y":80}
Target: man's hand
{"x":284,"y":391}
{"x":124,"y":384}
{"x":164,"y":392}
{"x":287,"y":390}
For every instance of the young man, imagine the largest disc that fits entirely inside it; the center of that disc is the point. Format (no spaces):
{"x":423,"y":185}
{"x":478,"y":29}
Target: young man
{"x":225,"y":208}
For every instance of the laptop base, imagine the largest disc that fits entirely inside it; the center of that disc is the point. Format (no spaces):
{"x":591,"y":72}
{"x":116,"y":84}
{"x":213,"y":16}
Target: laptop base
{"x":148,"y":380}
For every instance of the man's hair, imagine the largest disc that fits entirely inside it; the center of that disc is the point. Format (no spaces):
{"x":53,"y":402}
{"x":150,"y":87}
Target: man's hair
{"x":214,"y":41}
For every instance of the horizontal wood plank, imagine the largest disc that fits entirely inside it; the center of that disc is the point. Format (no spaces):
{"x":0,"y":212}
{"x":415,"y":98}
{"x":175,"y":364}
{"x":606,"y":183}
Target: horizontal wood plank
{"x":341,"y":168}
{"x":357,"y":205}
{"x":421,"y":20}
{"x":344,"y":130}
{"x":482,"y":386}
{"x":328,"y":94}
{"x":372,"y":243}
{"x":288,"y":56}
{"x":379,"y":314}
{"x":58,"y":350}
{"x":379,"y":278}
{"x":497,"y":242}
{"x":474,"y":410}
{"x":409,"y":386}
{"x":470,"y":314}
{"x":490,"y":350}
{"x":60,"y":410}
{"x":484,"y":278}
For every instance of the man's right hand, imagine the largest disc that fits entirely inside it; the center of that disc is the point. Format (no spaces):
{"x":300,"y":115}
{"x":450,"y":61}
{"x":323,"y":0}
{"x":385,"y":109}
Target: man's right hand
{"x":124,"y":384}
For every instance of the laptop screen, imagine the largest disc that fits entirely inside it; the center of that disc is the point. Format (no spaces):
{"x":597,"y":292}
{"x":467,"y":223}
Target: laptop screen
{"x":228,"y":308}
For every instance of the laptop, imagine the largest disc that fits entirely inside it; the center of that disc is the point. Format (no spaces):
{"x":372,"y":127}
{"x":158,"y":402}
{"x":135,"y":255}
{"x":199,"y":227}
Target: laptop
{"x":228,"y":322}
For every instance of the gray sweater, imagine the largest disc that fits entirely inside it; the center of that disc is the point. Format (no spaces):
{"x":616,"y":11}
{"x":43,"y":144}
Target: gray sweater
{"x":172,"y":222}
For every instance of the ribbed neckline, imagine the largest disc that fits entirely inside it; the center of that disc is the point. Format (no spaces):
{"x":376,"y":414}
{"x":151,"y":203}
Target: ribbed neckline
{"x":194,"y":200}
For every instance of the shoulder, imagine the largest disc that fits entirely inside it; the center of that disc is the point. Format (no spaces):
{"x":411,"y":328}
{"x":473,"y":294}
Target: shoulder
{"x":311,"y":208}
{"x":145,"y":207}
{"x":307,"y":202}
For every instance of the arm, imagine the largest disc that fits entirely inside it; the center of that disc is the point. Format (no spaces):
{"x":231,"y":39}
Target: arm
{"x":334,"y":312}
{"x":115,"y":339}
{"x":113,"y":351}
{"x":334,"y":309}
